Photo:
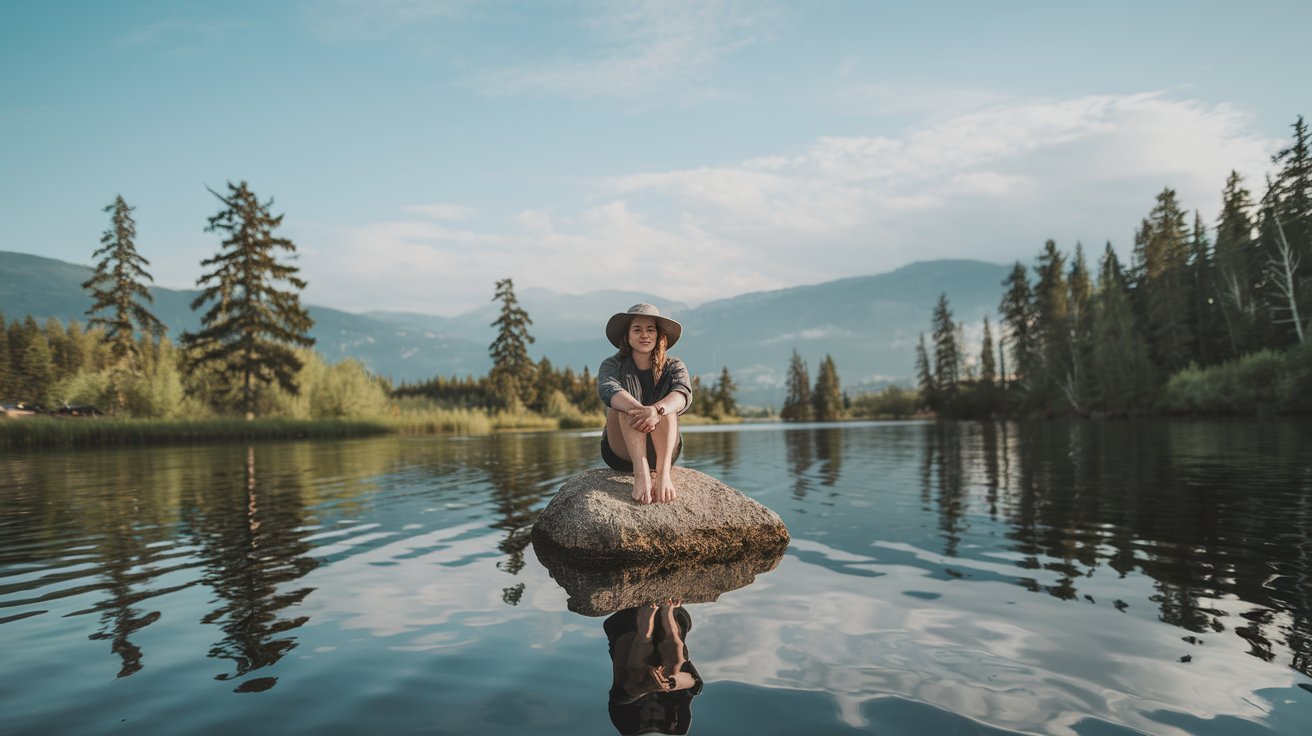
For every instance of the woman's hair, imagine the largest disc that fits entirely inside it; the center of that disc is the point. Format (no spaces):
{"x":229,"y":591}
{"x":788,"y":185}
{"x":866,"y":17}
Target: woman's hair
{"x":657,"y":355}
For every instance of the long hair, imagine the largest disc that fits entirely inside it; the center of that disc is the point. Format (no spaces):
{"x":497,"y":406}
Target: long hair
{"x":658,"y":358}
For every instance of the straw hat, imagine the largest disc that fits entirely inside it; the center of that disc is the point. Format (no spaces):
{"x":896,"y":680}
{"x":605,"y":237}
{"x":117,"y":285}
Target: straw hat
{"x":619,"y":324}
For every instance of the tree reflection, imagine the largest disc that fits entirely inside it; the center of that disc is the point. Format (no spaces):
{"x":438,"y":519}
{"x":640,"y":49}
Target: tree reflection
{"x":1173,"y":501}
{"x":801,"y":455}
{"x":247,"y":525}
{"x":524,"y":470}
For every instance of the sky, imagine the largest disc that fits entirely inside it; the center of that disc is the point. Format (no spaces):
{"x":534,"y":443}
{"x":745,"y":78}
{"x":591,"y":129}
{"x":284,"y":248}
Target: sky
{"x":421,"y":150}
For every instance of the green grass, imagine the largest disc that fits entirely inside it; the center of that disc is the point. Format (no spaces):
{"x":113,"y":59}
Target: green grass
{"x":33,"y":432}
{"x":407,"y":418}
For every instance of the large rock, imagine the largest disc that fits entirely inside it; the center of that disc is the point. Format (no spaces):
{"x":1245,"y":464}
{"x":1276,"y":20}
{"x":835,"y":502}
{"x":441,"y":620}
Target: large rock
{"x":594,"y":522}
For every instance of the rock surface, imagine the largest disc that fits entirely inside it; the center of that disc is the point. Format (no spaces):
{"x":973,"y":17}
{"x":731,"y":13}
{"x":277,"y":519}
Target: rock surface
{"x":594,"y":522}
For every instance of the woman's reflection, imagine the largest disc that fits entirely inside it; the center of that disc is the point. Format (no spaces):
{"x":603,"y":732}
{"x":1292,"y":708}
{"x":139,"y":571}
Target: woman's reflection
{"x":653,"y":683}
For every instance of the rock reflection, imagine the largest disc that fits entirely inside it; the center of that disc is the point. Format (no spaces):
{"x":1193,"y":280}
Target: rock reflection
{"x":598,"y":591}
{"x":653,"y":681}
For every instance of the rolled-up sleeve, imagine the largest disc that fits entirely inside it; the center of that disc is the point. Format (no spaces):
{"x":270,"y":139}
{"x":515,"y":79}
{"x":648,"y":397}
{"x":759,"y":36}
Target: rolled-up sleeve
{"x":679,"y":381}
{"x":608,"y":380}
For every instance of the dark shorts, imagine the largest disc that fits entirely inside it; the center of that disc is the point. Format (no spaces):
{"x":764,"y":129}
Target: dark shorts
{"x":619,"y":464}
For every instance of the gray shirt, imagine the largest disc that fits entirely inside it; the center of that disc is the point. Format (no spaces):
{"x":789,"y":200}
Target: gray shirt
{"x":620,"y":374}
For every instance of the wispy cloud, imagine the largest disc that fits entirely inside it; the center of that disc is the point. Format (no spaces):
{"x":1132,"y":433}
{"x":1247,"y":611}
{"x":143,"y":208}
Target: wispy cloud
{"x":991,"y":184}
{"x":442,"y":211}
{"x":373,"y":19}
{"x":180,"y":35}
{"x":634,"y":47}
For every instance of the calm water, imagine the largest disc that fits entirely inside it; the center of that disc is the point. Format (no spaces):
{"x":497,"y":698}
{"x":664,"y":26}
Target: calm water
{"x":1062,"y":578}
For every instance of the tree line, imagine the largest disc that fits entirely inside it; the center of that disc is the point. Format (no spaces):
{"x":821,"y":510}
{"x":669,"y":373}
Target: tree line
{"x":517,"y":383}
{"x":1195,"y":313}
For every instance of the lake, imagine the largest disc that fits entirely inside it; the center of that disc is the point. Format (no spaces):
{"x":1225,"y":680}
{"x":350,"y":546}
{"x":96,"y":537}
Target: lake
{"x":1061,"y":577}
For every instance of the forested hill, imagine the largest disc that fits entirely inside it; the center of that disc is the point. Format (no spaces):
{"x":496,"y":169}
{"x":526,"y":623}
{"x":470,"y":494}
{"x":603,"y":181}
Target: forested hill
{"x":869,"y":324}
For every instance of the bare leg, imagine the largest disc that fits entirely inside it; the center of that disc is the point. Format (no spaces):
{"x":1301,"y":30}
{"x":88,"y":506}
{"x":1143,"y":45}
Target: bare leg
{"x":665,"y":437}
{"x":631,"y":445}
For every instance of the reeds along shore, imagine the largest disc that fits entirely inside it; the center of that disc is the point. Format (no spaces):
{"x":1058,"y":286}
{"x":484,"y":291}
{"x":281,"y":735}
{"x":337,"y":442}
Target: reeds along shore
{"x":40,"y":431}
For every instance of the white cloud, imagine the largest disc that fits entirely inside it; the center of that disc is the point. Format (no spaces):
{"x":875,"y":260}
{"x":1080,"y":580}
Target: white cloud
{"x":441,"y":211}
{"x":637,"y":46}
{"x":991,"y":184}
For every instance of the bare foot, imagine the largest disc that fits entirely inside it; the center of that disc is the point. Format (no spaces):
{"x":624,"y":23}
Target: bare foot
{"x":664,"y":489}
{"x":642,"y":490}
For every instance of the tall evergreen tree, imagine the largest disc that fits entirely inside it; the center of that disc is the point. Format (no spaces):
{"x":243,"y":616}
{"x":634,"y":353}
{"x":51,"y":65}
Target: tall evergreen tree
{"x":1051,"y":325}
{"x":1079,"y":338}
{"x":250,"y":331}
{"x":924,"y":377}
{"x":1161,"y":252}
{"x":118,"y":288}
{"x":1286,"y":236}
{"x":725,"y":390}
{"x":1017,"y":310}
{"x":1236,"y":266}
{"x":36,"y":363}
{"x":827,"y":398}
{"x":797,"y":404}
{"x":6,"y":389}
{"x":988,"y":371}
{"x":512,"y":368}
{"x":1204,"y":307}
{"x":947,"y":354}
{"x":1283,"y":272}
{"x":1123,"y":374}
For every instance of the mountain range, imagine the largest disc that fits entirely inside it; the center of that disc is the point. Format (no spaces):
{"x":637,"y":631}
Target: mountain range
{"x":869,"y":324}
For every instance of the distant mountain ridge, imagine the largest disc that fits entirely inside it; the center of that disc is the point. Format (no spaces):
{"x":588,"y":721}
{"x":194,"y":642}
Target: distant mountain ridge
{"x":869,"y":324}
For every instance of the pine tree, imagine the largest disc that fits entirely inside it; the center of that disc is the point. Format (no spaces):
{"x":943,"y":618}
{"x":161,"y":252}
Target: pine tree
{"x":1205,"y":309}
{"x":1234,"y":275}
{"x":1283,"y":273}
{"x":725,"y":389}
{"x":36,"y":362}
{"x":1051,"y":326}
{"x":1123,"y":374}
{"x":1080,"y":333}
{"x":1017,"y":310}
{"x":512,"y":369}
{"x":924,"y":377}
{"x":947,"y":354}
{"x":1286,"y":237}
{"x":1161,"y":252}
{"x":827,"y":398}
{"x":250,"y":332}
{"x":797,"y":405}
{"x":988,"y":370}
{"x":118,"y":289}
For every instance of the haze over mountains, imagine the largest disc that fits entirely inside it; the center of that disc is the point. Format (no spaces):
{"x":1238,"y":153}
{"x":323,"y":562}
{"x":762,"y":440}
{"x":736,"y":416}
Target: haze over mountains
{"x":869,"y":324}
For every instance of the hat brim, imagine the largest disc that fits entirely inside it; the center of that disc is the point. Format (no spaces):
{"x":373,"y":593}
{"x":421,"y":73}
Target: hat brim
{"x":618,"y":324}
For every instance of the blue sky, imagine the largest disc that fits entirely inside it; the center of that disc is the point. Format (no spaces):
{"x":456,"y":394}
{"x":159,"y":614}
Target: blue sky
{"x":697,"y":150}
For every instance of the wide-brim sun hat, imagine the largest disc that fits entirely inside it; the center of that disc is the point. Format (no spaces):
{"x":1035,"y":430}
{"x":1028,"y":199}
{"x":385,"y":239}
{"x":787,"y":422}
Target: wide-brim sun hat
{"x":619,"y":324}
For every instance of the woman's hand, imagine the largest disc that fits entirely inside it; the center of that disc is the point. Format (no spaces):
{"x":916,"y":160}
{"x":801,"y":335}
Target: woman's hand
{"x":644,"y":418}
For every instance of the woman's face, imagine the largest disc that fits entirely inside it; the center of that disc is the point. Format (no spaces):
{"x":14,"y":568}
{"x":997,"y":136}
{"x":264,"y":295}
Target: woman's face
{"x":642,"y":334}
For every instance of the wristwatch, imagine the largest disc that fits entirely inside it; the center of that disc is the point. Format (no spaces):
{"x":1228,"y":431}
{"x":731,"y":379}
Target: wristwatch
{"x":660,"y":410}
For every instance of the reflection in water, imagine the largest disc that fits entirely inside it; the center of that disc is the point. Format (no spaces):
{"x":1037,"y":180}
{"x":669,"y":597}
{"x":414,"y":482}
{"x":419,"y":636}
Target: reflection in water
{"x":652,"y":680}
{"x":249,"y":540}
{"x":804,"y":447}
{"x":1212,"y":516}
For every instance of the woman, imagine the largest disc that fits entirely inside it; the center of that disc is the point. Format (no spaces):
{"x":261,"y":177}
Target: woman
{"x":652,"y":680}
{"x":644,"y":390}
